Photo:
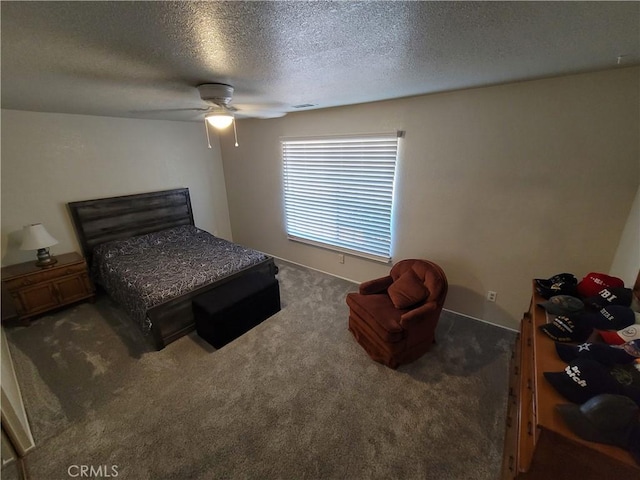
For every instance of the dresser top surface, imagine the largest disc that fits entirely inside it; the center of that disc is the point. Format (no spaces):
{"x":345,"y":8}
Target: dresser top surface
{"x":28,"y":268}
{"x":547,"y":360}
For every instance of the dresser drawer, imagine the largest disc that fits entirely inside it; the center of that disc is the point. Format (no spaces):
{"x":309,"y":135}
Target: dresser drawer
{"x":32,"y":290}
{"x":510,"y":455}
{"x":527,"y":422}
{"x":44,"y":276}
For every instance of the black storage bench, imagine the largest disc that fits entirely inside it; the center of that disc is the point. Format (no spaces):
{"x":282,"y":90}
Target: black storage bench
{"x":224,"y":313}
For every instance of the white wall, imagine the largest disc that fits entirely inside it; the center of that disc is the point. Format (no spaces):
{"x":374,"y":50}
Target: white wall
{"x":51,"y":159}
{"x":498,"y":185}
{"x":14,"y":416}
{"x":626,"y":262}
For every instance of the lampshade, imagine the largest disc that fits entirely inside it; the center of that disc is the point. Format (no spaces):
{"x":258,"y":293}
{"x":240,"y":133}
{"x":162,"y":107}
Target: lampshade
{"x":219,"y":120}
{"x":35,"y":237}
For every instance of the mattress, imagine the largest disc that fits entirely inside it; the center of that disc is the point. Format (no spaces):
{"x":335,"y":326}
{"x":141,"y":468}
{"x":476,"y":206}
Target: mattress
{"x":144,"y":271}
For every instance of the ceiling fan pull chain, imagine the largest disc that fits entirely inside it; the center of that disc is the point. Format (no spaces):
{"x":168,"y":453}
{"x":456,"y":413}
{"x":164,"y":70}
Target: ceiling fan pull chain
{"x":235,"y":133}
{"x":206,"y":129}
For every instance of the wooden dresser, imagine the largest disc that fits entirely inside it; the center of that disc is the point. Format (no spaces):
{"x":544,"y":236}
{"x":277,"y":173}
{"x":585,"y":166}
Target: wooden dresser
{"x":32,"y":290}
{"x":538,"y":444}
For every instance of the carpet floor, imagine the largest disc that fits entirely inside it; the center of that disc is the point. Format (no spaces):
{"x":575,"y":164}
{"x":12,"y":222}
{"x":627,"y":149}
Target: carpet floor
{"x":294,"y":398}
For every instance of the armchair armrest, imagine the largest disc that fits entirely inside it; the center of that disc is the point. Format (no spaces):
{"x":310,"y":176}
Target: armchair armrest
{"x":377,"y":285}
{"x":413,"y":317}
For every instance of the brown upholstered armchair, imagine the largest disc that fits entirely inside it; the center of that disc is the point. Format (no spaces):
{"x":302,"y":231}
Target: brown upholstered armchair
{"x":394,"y":318}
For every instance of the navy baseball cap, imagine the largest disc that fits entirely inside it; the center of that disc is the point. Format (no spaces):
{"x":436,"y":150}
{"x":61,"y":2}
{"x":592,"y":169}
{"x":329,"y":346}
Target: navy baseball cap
{"x":567,"y":328}
{"x":584,"y":378}
{"x":562,"y":305}
{"x":610,"y":296}
{"x":603,"y":353}
{"x":605,"y":418}
{"x":612,"y":317}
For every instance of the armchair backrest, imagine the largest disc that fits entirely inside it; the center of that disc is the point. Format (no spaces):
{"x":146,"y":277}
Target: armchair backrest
{"x":433,"y":276}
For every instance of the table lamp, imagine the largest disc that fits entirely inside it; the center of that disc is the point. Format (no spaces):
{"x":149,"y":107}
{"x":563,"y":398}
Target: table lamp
{"x":36,"y":237}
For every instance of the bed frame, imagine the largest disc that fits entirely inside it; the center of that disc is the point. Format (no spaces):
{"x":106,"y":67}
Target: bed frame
{"x":117,"y":218}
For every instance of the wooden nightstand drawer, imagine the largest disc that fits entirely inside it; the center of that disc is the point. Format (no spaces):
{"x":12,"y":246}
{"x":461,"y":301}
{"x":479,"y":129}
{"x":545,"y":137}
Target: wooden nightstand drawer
{"x":36,"y":290}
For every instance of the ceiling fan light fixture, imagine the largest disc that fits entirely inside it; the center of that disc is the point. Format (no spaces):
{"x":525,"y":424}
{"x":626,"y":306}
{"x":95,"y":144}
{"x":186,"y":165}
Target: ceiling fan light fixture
{"x":219,"y":120}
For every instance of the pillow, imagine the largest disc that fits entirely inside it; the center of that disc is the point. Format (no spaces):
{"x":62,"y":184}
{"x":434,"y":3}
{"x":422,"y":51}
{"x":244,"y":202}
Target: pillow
{"x":407,"y":290}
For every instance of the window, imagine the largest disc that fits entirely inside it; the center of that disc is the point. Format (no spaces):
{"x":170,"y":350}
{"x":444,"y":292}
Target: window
{"x":338,"y":192}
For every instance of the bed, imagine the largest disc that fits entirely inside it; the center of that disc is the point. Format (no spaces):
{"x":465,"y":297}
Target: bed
{"x":145,"y":251}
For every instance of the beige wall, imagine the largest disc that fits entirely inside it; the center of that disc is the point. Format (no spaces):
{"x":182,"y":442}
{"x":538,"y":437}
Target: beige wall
{"x":626,"y":262}
{"x":498,"y":185}
{"x":51,"y":159}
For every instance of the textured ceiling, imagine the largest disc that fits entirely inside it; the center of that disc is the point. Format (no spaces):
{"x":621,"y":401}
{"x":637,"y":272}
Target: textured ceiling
{"x":144,"y":59}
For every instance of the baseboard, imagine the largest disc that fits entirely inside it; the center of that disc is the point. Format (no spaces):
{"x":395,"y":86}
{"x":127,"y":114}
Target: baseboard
{"x":481,"y":320}
{"x":358,"y":283}
{"x":316,"y":269}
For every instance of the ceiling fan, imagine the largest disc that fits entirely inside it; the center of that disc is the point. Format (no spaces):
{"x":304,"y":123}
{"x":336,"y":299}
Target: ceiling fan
{"x":220,"y":113}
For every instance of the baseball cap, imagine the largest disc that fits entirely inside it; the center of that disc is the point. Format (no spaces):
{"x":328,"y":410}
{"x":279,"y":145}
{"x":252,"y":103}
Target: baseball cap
{"x":567,"y":278}
{"x":557,"y":289}
{"x":632,"y":348}
{"x":600,"y":352}
{"x":611,"y":296}
{"x":613,"y":317}
{"x":583,"y":379}
{"x":567,"y":328}
{"x":590,"y":285}
{"x":605,"y":418}
{"x":562,"y":305}
{"x":558,"y":284}
{"x":619,"y":337}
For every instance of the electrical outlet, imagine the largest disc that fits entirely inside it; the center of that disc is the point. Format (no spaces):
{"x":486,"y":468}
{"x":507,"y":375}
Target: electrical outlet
{"x":491,"y":296}
{"x":340,"y":258}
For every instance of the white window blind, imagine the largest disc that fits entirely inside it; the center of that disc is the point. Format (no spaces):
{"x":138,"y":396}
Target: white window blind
{"x":338,"y":192}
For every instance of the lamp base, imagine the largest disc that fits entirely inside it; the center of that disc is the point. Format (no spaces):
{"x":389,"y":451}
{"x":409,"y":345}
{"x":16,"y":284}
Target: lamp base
{"x":44,"y":259}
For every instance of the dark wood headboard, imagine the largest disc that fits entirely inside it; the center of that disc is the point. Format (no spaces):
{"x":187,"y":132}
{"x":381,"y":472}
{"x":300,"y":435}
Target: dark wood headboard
{"x":116,"y":218}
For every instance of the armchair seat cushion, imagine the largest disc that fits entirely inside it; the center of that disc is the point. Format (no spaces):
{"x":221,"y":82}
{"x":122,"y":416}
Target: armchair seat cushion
{"x":379,"y":313}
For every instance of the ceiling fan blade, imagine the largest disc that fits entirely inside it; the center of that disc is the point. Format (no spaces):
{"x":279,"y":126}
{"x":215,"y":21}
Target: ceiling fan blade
{"x":259,"y":111}
{"x":168,"y":110}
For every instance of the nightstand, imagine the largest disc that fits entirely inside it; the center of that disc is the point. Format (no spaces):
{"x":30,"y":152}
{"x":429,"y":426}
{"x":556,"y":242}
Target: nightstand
{"x":33,"y":290}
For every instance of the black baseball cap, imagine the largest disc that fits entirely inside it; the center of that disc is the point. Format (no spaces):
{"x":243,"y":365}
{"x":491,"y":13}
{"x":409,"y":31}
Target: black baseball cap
{"x":559,"y":284}
{"x":567,"y":328}
{"x":605,"y":418}
{"x":584,"y":378}
{"x":603,"y":353}
{"x":568,"y":278}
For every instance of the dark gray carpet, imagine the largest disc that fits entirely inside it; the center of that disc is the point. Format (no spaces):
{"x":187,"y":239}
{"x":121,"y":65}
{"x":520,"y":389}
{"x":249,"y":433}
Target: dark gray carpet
{"x":294,"y":398}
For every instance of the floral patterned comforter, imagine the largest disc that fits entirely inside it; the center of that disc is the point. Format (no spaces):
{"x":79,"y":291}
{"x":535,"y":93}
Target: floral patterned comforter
{"x":144,"y":271}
